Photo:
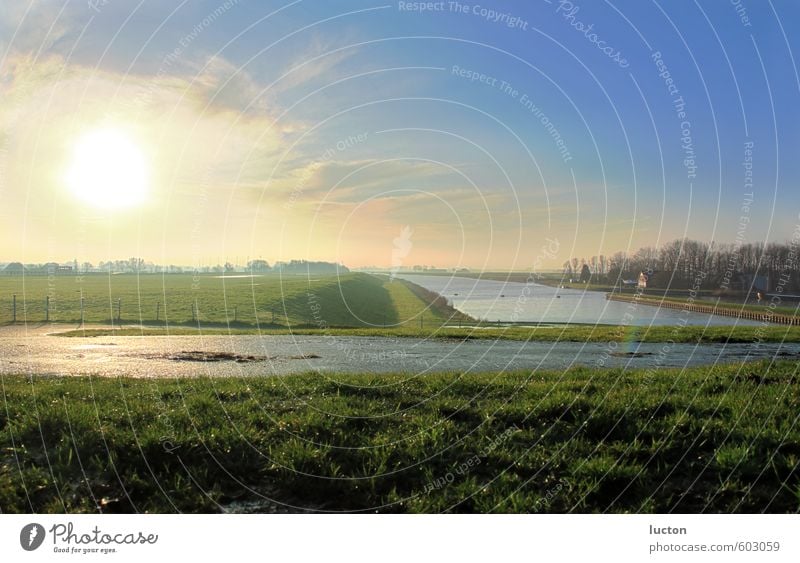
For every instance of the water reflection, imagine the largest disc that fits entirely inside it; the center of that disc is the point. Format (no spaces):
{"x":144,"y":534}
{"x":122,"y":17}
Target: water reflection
{"x":520,"y":302}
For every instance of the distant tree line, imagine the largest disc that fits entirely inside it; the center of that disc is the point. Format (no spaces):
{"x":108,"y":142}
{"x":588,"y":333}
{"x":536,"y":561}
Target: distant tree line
{"x":139,"y":265}
{"x":685,"y":263}
{"x":298,"y":267}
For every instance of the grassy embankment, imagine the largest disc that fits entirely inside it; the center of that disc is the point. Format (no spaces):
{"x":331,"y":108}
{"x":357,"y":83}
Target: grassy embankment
{"x":268,"y":301}
{"x":713,"y":439}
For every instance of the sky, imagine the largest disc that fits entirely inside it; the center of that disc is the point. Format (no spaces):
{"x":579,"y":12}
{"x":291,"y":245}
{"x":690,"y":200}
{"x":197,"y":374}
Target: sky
{"x":492,"y":135}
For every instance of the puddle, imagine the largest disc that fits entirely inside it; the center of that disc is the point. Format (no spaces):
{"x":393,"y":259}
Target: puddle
{"x":208,"y":356}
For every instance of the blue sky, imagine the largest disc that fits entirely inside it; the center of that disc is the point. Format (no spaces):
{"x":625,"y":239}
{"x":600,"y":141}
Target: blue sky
{"x":321,"y":129}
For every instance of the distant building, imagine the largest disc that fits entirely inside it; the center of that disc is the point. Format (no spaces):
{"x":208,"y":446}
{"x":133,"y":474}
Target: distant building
{"x":643,"y":279}
{"x":14,"y":269}
{"x":56,"y":269}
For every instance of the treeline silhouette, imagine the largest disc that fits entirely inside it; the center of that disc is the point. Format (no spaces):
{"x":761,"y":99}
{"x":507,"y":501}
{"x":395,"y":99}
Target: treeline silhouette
{"x":690,"y":263}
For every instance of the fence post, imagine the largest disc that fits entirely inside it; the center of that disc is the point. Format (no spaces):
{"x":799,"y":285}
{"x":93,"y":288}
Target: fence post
{"x":235,"y":313}
{"x":119,"y":309}
{"x":14,"y":308}
{"x":194,"y":311}
{"x":420,"y":320}
{"x":81,"y":310}
{"x":158,"y":307}
{"x":47,"y":308}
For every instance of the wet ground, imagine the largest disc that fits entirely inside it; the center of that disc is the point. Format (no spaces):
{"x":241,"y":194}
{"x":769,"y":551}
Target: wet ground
{"x":34,"y":350}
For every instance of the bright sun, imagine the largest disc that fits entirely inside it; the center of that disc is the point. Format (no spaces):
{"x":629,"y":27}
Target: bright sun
{"x":108,"y":170}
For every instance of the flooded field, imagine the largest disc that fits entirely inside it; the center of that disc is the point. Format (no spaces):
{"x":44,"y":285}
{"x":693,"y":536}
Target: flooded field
{"x":34,"y":351}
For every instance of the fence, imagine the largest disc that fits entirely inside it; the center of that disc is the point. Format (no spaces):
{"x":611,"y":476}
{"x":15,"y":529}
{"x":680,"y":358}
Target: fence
{"x":116,"y":310}
{"x":710,"y":309}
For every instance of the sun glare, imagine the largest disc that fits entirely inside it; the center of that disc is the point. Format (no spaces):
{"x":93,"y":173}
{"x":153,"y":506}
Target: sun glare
{"x":108,"y":170}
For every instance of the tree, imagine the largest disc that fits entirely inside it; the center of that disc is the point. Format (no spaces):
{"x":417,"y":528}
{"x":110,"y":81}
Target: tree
{"x":586,"y":274}
{"x":258,"y":266}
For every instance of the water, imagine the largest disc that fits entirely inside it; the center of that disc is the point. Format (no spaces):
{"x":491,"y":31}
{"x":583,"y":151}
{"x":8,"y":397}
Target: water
{"x":157,"y":356}
{"x":511,"y":301}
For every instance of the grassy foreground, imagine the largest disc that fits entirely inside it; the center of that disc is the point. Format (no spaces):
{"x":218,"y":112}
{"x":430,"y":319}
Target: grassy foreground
{"x":544,"y":333}
{"x":715,"y":439}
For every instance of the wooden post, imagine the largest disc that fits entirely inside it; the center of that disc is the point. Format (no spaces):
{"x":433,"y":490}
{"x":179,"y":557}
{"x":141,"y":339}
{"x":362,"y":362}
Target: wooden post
{"x":14,"y":308}
{"x":235,"y":314}
{"x":194,"y":311}
{"x":81,"y":310}
{"x":158,"y":309}
{"x":119,"y":309}
{"x":420,"y":320}
{"x":273,"y":317}
{"x":47,"y":309}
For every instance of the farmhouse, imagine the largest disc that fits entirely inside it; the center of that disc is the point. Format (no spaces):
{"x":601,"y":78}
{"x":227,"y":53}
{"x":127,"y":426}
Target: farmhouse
{"x":14,"y":269}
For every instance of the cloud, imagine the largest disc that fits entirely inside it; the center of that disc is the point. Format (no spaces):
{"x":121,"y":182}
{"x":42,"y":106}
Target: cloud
{"x":221,"y":86}
{"x":198,"y":154}
{"x":34,"y":26}
{"x":201,"y":116}
{"x":318,"y":64}
{"x":327,"y":181}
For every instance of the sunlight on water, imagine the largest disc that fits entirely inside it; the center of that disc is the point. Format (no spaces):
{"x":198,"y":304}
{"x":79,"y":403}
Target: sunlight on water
{"x":512,"y":302}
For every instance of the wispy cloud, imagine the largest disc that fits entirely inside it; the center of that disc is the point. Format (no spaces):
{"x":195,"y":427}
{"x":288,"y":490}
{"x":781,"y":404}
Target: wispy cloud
{"x":319,"y":64}
{"x":38,"y":26}
{"x":352,"y":181}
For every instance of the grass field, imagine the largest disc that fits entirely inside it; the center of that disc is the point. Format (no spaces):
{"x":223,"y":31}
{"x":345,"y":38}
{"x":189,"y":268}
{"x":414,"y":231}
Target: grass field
{"x":713,"y":439}
{"x":544,"y":333}
{"x":348,"y":300}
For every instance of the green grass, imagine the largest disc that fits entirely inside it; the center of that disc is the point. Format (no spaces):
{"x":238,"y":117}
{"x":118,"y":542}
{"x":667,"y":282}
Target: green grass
{"x":713,"y":439}
{"x":348,"y":300}
{"x":544,"y":333}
